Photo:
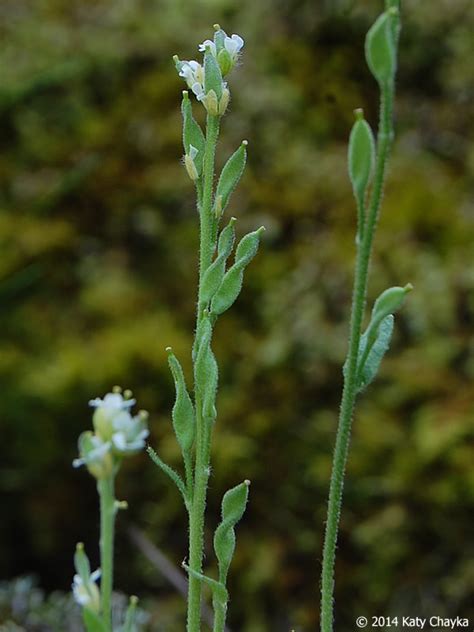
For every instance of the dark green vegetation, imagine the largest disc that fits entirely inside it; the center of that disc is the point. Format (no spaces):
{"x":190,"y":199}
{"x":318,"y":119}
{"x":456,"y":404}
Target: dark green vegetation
{"x":98,"y":275}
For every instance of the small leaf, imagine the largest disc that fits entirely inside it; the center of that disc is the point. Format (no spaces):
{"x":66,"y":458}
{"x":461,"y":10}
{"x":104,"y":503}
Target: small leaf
{"x":183,"y":409}
{"x":233,"y":508}
{"x":212,"y":75}
{"x":92,"y":621}
{"x":206,"y":371}
{"x":380,"y":50}
{"x":231,"y":174}
{"x":231,"y":284}
{"x":192,"y":133}
{"x":213,"y":276}
{"x":174,"y":476}
{"x":373,"y":357}
{"x":227,"y":239}
{"x":361,"y":156}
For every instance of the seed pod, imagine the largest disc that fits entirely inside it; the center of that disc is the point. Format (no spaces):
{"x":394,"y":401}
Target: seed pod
{"x":380,"y":50}
{"x":389,"y":302}
{"x":233,"y":508}
{"x":81,"y":563}
{"x":192,"y":133}
{"x":212,"y":74}
{"x":231,"y":174}
{"x":361,"y":156}
{"x":231,"y":284}
{"x":214,"y":274}
{"x":183,"y":410}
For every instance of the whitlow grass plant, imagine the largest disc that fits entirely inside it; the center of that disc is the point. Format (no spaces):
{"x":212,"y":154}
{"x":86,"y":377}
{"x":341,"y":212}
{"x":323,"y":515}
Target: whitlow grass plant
{"x":118,"y":434}
{"x":367,"y":162}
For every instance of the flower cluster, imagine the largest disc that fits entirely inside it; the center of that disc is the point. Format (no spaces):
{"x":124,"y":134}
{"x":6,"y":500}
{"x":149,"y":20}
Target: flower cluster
{"x":206,"y":81}
{"x":116,"y":433}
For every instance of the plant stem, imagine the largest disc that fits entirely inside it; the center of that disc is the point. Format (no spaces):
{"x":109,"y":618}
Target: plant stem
{"x":349,"y":393}
{"x":202,"y":445}
{"x":220,"y":611}
{"x":105,"y":487}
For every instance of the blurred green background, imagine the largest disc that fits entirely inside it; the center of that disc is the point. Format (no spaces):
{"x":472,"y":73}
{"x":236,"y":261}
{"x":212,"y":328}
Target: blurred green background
{"x":98,"y":240}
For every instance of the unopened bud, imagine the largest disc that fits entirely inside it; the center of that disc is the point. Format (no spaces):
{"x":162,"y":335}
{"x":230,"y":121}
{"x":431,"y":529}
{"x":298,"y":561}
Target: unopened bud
{"x":224,"y":102}
{"x":210,"y":103}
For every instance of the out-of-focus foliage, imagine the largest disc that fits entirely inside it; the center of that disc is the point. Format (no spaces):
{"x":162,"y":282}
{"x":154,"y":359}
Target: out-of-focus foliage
{"x":25,"y":608}
{"x":98,"y":239}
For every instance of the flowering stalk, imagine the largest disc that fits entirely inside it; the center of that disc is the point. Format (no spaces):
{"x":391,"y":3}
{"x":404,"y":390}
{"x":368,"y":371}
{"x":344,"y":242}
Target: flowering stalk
{"x":365,"y":350}
{"x":219,"y":287}
{"x":116,"y":434}
{"x":105,"y":487}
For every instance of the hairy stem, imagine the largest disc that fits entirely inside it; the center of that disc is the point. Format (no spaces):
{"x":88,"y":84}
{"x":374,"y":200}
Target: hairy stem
{"x":341,"y":450}
{"x":107,"y":518}
{"x":202,"y":445}
{"x":220,"y":611}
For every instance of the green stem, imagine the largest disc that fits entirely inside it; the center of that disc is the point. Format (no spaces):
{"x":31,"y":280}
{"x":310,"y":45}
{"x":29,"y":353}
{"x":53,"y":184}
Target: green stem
{"x":349,"y":393}
{"x":105,"y":487}
{"x":202,"y":445}
{"x":220,"y":611}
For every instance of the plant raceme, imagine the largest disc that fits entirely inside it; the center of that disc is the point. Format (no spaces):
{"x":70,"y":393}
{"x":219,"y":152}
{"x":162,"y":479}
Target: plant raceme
{"x":117,"y":434}
{"x":367,"y":161}
{"x":220,"y":283}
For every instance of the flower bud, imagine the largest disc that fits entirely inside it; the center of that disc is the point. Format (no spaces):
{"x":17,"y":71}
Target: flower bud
{"x":224,"y":102}
{"x":210,"y":103}
{"x":190,"y":164}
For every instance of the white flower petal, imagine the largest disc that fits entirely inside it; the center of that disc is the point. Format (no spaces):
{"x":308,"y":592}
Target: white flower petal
{"x":208,"y":43}
{"x":119,"y":440}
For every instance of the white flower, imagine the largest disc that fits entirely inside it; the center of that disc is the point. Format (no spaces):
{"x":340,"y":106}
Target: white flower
{"x":95,"y":454}
{"x":86,"y":593}
{"x":129,"y":433}
{"x":192,"y":72}
{"x":208,"y":43}
{"x":112,"y":402}
{"x":93,"y":449}
{"x":233,"y":45}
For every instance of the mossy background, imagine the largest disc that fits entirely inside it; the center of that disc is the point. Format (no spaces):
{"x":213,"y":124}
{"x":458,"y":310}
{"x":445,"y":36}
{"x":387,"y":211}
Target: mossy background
{"x":98,"y":242}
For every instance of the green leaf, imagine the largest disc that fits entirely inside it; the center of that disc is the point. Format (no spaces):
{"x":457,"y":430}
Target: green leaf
{"x":212,"y":75}
{"x":232,"y":282}
{"x":213,"y":276}
{"x":192,"y":132}
{"x":183,"y":410}
{"x":230,"y":176}
{"x":206,"y":371}
{"x":380,"y":49}
{"x":361,"y":156}
{"x":92,"y":621}
{"x":373,"y":356}
{"x":233,"y":508}
{"x":174,"y":476}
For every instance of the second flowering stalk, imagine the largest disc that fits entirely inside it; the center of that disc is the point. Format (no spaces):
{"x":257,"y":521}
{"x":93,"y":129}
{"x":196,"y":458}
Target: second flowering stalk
{"x":219,"y":287}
